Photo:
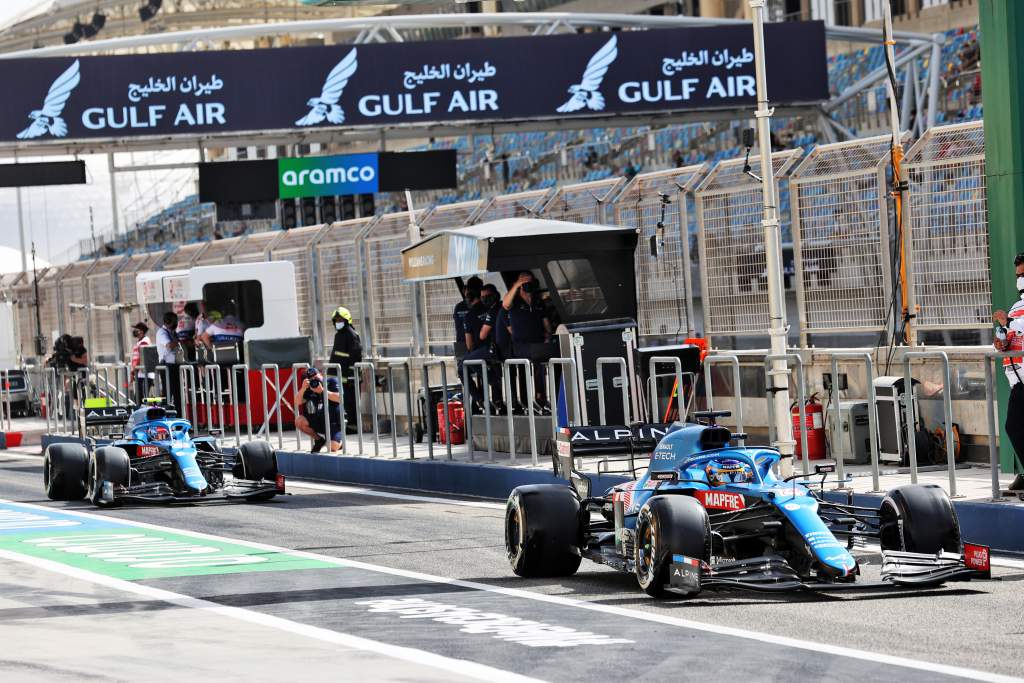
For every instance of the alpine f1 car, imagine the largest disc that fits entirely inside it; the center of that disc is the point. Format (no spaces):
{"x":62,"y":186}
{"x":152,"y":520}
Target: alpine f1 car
{"x":707,"y":514}
{"x":157,"y":460}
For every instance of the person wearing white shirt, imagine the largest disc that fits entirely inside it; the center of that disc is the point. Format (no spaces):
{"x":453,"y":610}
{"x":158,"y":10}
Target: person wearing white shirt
{"x":166,"y":348}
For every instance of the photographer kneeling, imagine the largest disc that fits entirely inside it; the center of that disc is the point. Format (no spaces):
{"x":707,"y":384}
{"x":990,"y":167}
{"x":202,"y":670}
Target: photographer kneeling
{"x":309,"y":409}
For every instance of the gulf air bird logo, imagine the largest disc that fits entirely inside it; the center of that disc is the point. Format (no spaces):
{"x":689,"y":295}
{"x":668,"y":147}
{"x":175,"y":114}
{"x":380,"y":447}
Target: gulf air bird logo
{"x":326,"y":106}
{"x":586,"y":93}
{"x":47,"y":118}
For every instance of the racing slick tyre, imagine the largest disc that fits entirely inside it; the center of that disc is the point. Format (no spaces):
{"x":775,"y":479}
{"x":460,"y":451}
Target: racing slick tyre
{"x":107,"y":464}
{"x":65,"y":467}
{"x":256,"y":461}
{"x":666,"y":526}
{"x":543,"y":530}
{"x":918,"y":518}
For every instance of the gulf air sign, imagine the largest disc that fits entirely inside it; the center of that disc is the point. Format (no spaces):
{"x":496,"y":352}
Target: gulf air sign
{"x":328,"y":176}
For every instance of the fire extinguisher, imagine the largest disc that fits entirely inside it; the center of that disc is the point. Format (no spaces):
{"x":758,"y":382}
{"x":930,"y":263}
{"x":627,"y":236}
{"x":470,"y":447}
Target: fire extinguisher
{"x":456,"y":422}
{"x":814,"y":425}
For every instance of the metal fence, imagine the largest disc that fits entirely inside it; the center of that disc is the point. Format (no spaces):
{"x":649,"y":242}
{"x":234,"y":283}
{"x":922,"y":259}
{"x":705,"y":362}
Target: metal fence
{"x":841,"y":251}
{"x":439,"y":298}
{"x":841,"y":237}
{"x":731,"y":239}
{"x":663,"y":282}
{"x":584,"y":202}
{"x":513,"y":206}
{"x":339,"y":281}
{"x":101,"y":288}
{"x":948,"y":259}
{"x":390,"y":297}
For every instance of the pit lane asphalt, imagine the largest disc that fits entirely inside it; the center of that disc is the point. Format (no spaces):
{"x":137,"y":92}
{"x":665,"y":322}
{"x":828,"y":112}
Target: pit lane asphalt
{"x":977,"y":625}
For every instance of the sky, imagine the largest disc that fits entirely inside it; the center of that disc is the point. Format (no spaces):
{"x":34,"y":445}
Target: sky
{"x":56,"y":218}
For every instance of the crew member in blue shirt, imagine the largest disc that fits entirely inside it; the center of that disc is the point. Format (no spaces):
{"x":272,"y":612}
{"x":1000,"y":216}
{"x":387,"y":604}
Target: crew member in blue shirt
{"x":460,"y":313}
{"x":529,"y":327}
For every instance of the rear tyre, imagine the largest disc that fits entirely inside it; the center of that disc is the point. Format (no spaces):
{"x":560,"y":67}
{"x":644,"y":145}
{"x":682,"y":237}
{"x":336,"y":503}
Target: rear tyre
{"x":919,"y":518}
{"x":107,"y":465}
{"x":257,"y":461}
{"x":543,"y":530}
{"x":65,"y":468}
{"x":666,"y":526}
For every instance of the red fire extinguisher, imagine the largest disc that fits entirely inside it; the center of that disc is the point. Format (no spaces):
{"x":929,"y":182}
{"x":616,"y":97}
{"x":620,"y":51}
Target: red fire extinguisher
{"x":456,"y":420}
{"x":815,"y":426}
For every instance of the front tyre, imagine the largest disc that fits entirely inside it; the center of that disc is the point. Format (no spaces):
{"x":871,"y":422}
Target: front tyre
{"x":65,"y":469}
{"x":668,"y":525}
{"x":107,"y":465}
{"x":918,"y":518}
{"x":543,"y":530}
{"x":256,"y":462}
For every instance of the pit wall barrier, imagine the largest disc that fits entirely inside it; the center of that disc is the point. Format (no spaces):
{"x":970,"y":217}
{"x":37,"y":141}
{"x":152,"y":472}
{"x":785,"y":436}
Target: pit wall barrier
{"x":991,"y":524}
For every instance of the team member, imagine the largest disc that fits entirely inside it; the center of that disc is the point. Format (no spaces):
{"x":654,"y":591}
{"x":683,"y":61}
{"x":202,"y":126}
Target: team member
{"x":1012,"y":327}
{"x":476,"y":348}
{"x":309,"y":409}
{"x":167,"y":355}
{"x":460,"y":313}
{"x":143,"y":380}
{"x":186,"y":330}
{"x":529,"y":326}
{"x":346,"y":352}
{"x":228,"y":330}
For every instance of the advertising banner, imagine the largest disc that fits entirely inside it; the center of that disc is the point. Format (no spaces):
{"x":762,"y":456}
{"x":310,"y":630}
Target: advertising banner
{"x":428,"y":82}
{"x":340,"y":174}
{"x":326,"y":176}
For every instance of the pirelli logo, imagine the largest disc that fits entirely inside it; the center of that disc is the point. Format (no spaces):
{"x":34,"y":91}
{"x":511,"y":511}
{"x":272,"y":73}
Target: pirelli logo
{"x":720,"y":500}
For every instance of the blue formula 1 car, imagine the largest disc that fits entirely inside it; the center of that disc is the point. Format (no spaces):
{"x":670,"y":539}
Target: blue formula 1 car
{"x":157,"y":460}
{"x":707,"y":514}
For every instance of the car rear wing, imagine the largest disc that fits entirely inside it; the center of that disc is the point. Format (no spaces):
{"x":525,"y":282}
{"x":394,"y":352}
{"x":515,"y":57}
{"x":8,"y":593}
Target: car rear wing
{"x":622,"y":449}
{"x":99,"y":413}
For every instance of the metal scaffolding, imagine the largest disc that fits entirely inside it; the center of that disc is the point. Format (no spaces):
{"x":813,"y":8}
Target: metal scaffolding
{"x":731,"y":240}
{"x":664,"y":281}
{"x":841,"y":237}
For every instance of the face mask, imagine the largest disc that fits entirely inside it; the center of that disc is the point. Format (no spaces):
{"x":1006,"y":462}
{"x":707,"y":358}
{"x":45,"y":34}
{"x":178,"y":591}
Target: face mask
{"x":530,"y":287}
{"x":340,"y":325}
{"x":487,"y":300}
{"x":1020,"y":284}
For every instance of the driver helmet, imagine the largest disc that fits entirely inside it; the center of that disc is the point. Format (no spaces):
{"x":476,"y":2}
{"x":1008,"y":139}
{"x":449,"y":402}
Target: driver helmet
{"x":728,"y":471}
{"x":159,"y":433}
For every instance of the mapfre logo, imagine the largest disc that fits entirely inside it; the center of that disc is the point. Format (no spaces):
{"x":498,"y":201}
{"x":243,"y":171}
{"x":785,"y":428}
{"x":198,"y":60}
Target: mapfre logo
{"x":721,"y":500}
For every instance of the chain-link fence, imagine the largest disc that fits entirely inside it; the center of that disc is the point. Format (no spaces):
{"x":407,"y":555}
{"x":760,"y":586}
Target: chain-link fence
{"x":390,"y":297}
{"x":256,"y":248}
{"x":663,"y":281}
{"x":100,"y":289}
{"x":841,"y":251}
{"x":841,"y":237}
{"x":584,"y":202}
{"x":513,"y":206}
{"x":339,"y":280}
{"x":948,"y":258}
{"x":731,"y":239}
{"x":296,"y":246}
{"x":439,"y":298}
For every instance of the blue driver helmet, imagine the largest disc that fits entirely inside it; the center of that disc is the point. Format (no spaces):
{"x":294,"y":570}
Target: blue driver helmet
{"x":158,"y":433}
{"x":728,"y":471}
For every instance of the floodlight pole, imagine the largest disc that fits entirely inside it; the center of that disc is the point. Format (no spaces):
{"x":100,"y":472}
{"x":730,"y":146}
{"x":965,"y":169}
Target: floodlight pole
{"x":778,"y":376}
{"x":21,"y":235}
{"x":899,"y":185}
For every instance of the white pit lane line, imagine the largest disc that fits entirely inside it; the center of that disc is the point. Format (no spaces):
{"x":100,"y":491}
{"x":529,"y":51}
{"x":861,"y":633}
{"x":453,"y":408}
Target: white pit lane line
{"x":471,"y":669}
{"x":457,"y":666}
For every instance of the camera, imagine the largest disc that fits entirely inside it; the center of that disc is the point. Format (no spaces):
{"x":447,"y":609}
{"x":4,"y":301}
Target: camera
{"x":313,"y":377}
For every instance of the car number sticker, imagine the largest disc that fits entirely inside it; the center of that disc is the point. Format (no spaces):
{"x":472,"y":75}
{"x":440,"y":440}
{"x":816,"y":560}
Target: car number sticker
{"x":721,"y":500}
